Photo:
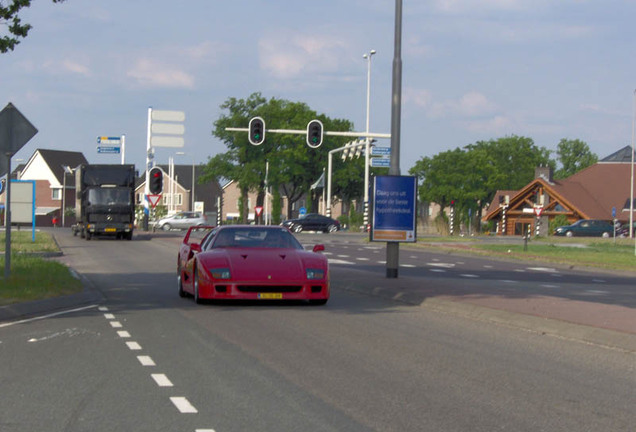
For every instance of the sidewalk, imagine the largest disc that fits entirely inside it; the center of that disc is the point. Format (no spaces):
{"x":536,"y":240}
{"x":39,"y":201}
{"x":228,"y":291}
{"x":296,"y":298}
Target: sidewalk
{"x":600,"y":324}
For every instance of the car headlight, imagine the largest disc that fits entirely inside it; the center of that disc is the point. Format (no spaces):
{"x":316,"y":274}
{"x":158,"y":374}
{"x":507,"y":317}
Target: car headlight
{"x":220,"y":273}
{"x":315,"y":273}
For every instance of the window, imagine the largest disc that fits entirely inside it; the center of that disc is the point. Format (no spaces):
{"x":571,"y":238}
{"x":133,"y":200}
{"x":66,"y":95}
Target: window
{"x":56,"y":194}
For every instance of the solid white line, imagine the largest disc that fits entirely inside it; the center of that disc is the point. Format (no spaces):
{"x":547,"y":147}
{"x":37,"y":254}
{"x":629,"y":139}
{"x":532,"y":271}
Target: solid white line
{"x":109,"y":316}
{"x":133,"y":346}
{"x":47,"y":316}
{"x":115,"y":324}
{"x":146,"y":361}
{"x":123,"y":334}
{"x":549,"y":286}
{"x":466,"y":275}
{"x":362,"y":259}
{"x":204,"y":430}
{"x":436,"y":270}
{"x":183,"y":405}
{"x":103,"y":309}
{"x":408,"y":265}
{"x":162,"y":380}
{"x":337,"y":261}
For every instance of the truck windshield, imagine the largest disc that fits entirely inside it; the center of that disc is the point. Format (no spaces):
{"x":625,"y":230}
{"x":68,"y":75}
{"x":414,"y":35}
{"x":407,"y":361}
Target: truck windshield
{"x":109,"y":196}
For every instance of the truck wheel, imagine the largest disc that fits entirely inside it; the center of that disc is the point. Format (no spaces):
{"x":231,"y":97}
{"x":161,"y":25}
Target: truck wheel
{"x":128,"y":236}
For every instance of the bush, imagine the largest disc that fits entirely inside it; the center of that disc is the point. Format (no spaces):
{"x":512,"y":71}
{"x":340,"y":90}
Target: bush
{"x":558,"y":221}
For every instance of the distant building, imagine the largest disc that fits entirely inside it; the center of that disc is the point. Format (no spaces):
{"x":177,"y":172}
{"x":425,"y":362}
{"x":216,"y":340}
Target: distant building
{"x":591,"y":193}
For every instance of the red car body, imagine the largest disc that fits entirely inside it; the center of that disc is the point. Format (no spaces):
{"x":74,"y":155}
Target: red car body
{"x":251,"y":262}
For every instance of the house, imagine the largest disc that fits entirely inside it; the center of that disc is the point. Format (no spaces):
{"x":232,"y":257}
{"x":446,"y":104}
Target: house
{"x":54,"y":184}
{"x":183,"y":192}
{"x":592,"y":193}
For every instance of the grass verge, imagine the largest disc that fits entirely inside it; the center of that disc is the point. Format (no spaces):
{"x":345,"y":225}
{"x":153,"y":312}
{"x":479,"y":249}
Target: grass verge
{"x":585,"y":252}
{"x":32,"y":277}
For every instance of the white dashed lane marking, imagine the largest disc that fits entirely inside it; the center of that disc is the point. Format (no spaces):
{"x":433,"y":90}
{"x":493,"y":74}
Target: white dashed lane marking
{"x":183,"y":405}
{"x":115,"y":324}
{"x":123,"y":334}
{"x":162,"y":380}
{"x":133,"y":346}
{"x":146,"y":361}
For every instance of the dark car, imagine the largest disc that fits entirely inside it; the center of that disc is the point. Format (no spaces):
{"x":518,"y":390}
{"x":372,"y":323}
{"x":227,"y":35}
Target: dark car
{"x":586,"y":228}
{"x":623,"y":231}
{"x":312,"y":222}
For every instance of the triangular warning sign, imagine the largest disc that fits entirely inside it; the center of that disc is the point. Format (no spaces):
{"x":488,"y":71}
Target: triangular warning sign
{"x":153,"y":200}
{"x":258,"y":210}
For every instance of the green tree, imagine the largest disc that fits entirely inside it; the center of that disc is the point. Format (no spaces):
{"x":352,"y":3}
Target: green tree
{"x":293,"y":166}
{"x":573,"y":155}
{"x":472,"y":175}
{"x":9,"y":18}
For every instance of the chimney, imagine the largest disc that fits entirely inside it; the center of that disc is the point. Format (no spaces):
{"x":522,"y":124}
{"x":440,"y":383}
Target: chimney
{"x":544,"y":172}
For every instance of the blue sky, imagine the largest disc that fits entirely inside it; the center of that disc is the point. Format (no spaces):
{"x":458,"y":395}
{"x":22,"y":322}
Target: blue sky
{"x":472,"y":69}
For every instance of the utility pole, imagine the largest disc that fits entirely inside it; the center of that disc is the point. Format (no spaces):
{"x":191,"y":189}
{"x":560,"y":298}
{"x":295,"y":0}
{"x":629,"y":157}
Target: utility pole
{"x":393,"y":248}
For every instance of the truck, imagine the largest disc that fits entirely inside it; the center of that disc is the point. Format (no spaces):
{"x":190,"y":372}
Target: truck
{"x":105,"y":201}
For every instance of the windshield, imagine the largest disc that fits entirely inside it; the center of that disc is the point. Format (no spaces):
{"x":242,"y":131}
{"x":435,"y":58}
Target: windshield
{"x":109,"y":196}
{"x":255,"y":237}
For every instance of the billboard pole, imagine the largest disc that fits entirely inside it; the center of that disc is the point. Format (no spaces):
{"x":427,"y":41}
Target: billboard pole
{"x":7,"y":210}
{"x":393,"y":248}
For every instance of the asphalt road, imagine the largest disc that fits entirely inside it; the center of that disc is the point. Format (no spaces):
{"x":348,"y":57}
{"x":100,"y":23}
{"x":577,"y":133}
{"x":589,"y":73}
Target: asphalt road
{"x":143,"y":359}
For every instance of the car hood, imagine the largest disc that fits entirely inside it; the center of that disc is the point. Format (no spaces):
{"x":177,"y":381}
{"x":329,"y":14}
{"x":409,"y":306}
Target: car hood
{"x":257,"y":264}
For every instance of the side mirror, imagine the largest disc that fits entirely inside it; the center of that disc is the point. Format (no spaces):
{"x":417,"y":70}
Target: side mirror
{"x":319,"y":248}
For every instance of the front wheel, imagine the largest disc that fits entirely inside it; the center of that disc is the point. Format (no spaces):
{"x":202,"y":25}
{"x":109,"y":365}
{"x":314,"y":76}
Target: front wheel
{"x":298,"y":228}
{"x":166,"y":227}
{"x":181,"y":292}
{"x":332,"y":228}
{"x":606,"y":235}
{"x":569,"y":234}
{"x":197,"y":299}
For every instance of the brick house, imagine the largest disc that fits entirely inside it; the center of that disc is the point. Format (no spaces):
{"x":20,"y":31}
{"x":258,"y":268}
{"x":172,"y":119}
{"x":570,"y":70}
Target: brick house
{"x":591,"y":193}
{"x":54,"y":185}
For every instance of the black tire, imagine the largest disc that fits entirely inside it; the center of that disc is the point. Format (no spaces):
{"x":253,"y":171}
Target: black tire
{"x":332,"y":228}
{"x":298,"y":228}
{"x":129,"y":236}
{"x":166,"y":227}
{"x":569,"y":234}
{"x":88,"y":235}
{"x":181,"y":292}
{"x":197,"y":299}
{"x":605,"y":235}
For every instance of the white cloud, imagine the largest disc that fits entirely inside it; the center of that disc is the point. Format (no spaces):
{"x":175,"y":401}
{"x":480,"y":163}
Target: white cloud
{"x":471,"y":104}
{"x":289,"y":55}
{"x":151,"y":73}
{"x":497,"y":125}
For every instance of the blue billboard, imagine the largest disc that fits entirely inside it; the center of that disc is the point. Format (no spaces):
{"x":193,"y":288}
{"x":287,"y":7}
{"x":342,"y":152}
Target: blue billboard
{"x":394,"y":209}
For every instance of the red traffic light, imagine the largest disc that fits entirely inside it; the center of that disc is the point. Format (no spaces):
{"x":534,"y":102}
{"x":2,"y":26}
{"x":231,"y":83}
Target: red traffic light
{"x":155,"y":184}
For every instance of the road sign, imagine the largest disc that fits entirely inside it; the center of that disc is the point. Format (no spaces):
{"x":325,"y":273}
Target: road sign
{"x":173,"y":116}
{"x":153,"y":200}
{"x":381,"y":162}
{"x":394,"y":204}
{"x":380,"y":151}
{"x":302,"y":211}
{"x":538,"y":211}
{"x":15,"y":132}
{"x":109,"y":140}
{"x":167,"y":141}
{"x":258,"y":210}
{"x":108,"y":149}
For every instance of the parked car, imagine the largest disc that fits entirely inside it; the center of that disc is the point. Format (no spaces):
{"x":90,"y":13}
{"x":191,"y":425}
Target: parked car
{"x":623,"y":231}
{"x":312,"y":222}
{"x":181,"y":220}
{"x":251,"y":262}
{"x":586,"y":228}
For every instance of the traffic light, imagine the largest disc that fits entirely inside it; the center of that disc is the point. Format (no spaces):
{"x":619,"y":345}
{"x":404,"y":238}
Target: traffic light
{"x":257,"y":131}
{"x":155,"y":183}
{"x":314,"y":133}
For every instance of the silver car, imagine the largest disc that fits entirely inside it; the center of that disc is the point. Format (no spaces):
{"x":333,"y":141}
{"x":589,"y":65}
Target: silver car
{"x":181,"y":220}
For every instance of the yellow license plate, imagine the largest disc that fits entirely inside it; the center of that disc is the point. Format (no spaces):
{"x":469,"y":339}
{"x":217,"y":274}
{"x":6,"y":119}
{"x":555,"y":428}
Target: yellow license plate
{"x":110,"y":229}
{"x":270,"y":296}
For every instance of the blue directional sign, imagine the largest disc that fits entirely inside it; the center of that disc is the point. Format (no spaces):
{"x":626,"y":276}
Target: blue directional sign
{"x":108,"y":149}
{"x":109,"y":140}
{"x":394,"y":209}
{"x":380,"y":151}
{"x":381,"y":162}
{"x":302,"y":211}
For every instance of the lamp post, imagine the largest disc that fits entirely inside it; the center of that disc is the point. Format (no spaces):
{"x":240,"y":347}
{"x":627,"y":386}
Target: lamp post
{"x":67,"y":170}
{"x":193,"y":181}
{"x":367,"y":57}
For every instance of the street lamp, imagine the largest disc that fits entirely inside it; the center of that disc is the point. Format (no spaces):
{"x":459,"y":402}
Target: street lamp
{"x":67,"y":170}
{"x":193,"y":180}
{"x":367,"y":57}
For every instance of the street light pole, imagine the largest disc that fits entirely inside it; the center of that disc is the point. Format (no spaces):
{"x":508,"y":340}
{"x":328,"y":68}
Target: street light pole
{"x":368,"y":140}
